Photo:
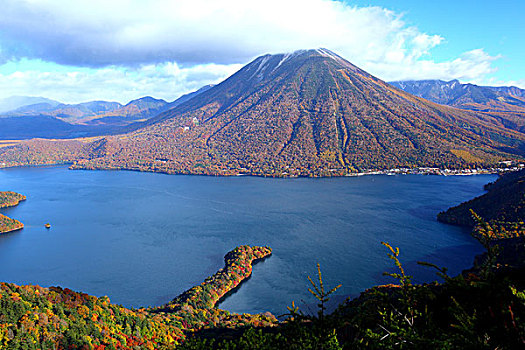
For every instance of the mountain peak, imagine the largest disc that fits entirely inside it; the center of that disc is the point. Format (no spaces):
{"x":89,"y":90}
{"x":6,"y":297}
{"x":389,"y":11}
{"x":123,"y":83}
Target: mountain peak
{"x":327,"y":53}
{"x":270,"y":65}
{"x":310,"y":53}
{"x":146,"y":99}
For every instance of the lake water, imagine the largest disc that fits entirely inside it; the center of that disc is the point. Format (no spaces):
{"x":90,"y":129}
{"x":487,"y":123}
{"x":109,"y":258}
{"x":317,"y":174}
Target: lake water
{"x":143,"y":238}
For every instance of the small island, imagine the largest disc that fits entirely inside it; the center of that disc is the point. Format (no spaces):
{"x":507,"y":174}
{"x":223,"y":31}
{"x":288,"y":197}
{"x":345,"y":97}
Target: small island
{"x":10,"y":199}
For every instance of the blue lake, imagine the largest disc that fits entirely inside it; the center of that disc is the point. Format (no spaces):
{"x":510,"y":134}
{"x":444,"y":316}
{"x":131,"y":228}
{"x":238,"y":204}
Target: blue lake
{"x":143,"y":238}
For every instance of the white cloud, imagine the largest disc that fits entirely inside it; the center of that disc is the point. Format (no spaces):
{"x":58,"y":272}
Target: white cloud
{"x":497,"y":82}
{"x":472,"y":66}
{"x":127,"y":32}
{"x":167,"y":81}
{"x":131,"y":44}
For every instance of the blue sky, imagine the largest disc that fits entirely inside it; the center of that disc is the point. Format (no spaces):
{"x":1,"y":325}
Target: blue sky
{"x":496,"y":26}
{"x":122,"y":49}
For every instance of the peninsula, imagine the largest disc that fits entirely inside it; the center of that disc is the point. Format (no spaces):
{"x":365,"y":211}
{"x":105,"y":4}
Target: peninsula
{"x":60,"y":318}
{"x":238,"y":267}
{"x":10,"y":199}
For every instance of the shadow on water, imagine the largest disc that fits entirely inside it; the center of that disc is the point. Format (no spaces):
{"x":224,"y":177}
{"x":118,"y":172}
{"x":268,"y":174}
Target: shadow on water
{"x":11,"y":233}
{"x":420,"y":274}
{"x":311,"y":308}
{"x":444,"y":257}
{"x":236,"y":289}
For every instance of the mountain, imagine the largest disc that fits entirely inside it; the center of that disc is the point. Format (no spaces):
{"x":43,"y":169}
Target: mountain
{"x":52,"y":119}
{"x":32,"y":109}
{"x":67,"y":112}
{"x":59,"y":120}
{"x":310,"y":113}
{"x":504,"y":102}
{"x":136,"y":110}
{"x":145,"y":104}
{"x":468,"y":96}
{"x":95,"y":112}
{"x":141,"y":109}
{"x":14,"y":102}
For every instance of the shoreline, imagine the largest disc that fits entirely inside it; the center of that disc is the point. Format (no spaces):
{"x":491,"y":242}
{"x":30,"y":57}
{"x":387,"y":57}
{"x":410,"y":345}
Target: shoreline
{"x":13,"y":229}
{"x":190,"y":306}
{"x":237,"y":268}
{"x":388,"y":172}
{"x":236,"y":288}
{"x":507,"y":167}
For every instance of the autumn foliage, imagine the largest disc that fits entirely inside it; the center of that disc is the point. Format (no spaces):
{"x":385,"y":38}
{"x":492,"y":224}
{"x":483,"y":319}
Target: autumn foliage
{"x":56,"y":318}
{"x":196,"y":306}
{"x":313,"y":114}
{"x":32,"y":317}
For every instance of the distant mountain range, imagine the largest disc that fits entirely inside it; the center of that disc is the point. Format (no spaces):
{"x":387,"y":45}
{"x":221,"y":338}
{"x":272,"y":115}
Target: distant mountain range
{"x":31,"y":117}
{"x":504,"y":102}
{"x":468,"y":96}
{"x":308,"y":113}
{"x":14,"y":102}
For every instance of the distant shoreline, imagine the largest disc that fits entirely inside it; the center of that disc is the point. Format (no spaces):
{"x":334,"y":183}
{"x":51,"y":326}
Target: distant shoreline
{"x":390,"y":172}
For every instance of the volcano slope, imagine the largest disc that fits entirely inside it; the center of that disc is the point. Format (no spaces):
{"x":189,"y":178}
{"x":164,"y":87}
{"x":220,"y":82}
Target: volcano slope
{"x":310,"y":113}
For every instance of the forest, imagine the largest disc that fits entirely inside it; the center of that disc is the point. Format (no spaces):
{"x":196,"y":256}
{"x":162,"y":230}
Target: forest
{"x":503,"y":204}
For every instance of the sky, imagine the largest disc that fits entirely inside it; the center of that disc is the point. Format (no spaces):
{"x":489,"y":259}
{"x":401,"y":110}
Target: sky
{"x":119,"y":50}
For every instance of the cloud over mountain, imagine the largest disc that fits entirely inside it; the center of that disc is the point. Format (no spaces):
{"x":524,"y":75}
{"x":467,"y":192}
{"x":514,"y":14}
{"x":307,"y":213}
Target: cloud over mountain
{"x":131,"y":34}
{"x":127,"y":32}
